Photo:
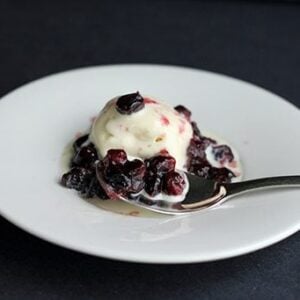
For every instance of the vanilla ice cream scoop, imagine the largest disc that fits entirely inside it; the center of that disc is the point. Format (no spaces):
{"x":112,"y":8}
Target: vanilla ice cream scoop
{"x":153,"y":128}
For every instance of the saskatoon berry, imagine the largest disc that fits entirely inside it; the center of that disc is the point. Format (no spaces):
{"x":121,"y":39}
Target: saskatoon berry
{"x":130,"y":103}
{"x":116,"y":178}
{"x":222,"y":153}
{"x":160,"y":164}
{"x":196,"y":149}
{"x":86,"y":156}
{"x":173,"y":184}
{"x":116,"y":157}
{"x":153,"y":185}
{"x":78,"y":143}
{"x":100,"y":174}
{"x":135,"y":170}
{"x":77,"y":178}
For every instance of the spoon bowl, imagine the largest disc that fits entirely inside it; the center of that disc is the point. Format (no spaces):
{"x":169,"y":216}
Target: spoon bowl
{"x":206,"y":194}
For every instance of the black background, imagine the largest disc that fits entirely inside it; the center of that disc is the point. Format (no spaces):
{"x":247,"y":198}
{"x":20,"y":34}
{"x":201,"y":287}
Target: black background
{"x":255,"y":41}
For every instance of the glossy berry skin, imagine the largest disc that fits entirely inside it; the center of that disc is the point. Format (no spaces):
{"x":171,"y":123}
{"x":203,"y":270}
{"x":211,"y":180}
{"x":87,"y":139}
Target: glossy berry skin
{"x":160,"y":164}
{"x":174,"y":184}
{"x":222,"y":153}
{"x":116,"y":157}
{"x":196,"y":149}
{"x":161,"y":176}
{"x":116,"y":178}
{"x":85,"y":157}
{"x":135,"y":170}
{"x":120,"y":176}
{"x":79,"y":142}
{"x":77,"y":178}
{"x":153,"y":184}
{"x":205,"y":170}
{"x":130,"y":103}
{"x":198,"y":164}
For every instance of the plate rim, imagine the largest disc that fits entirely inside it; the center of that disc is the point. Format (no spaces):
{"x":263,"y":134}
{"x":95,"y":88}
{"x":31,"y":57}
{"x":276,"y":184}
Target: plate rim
{"x":164,"y":260}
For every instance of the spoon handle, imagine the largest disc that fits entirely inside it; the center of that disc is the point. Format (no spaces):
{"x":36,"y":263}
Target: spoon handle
{"x":269,"y":182}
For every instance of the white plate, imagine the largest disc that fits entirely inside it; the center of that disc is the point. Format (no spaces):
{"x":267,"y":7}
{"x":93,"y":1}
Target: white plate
{"x":37,"y":120}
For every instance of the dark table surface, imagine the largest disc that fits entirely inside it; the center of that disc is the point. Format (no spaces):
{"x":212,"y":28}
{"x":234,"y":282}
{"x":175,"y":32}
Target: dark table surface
{"x":255,"y":41}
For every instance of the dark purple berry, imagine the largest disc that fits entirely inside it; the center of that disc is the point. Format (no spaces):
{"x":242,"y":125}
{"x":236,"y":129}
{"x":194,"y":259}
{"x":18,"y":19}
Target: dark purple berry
{"x":135,"y":170}
{"x":77,"y":178}
{"x":157,"y":167}
{"x":118,"y":176}
{"x":222,"y":153}
{"x":115,"y":177}
{"x":111,"y":173}
{"x":130,"y":103}
{"x":116,"y":157}
{"x":153,"y":185}
{"x":79,"y":142}
{"x":100,"y":174}
{"x":173,"y":184}
{"x":183,"y":111}
{"x":160,"y":164}
{"x":222,"y":175}
{"x":85,"y":157}
{"x":196,"y":149}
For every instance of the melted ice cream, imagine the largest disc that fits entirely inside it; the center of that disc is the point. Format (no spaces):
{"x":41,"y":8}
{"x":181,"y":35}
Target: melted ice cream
{"x":156,"y":128}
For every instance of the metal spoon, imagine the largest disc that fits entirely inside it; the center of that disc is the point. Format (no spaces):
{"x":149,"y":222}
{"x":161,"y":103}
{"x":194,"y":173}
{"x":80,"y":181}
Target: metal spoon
{"x":205,"y":193}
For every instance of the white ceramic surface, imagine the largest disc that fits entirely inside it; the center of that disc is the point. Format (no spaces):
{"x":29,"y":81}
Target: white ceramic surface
{"x":38,"y":119}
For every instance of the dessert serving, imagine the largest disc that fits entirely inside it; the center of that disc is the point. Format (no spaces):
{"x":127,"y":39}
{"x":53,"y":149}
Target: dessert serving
{"x":139,"y":145}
